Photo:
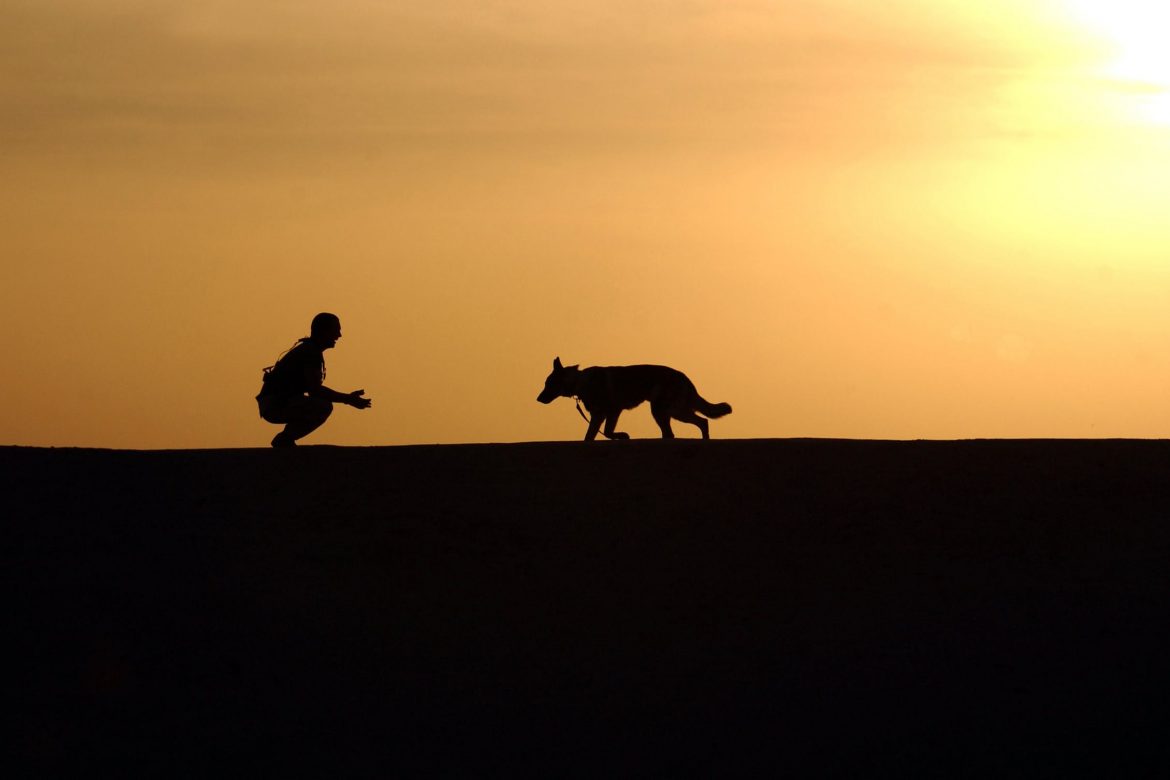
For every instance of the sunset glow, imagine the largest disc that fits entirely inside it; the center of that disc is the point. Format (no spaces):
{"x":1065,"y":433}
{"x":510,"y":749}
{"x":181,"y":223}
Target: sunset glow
{"x":1136,"y":31}
{"x":1134,"y":36}
{"x":914,"y":219}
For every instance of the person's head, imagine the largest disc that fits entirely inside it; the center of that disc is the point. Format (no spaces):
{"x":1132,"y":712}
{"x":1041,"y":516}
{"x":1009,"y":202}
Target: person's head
{"x":325,"y":329}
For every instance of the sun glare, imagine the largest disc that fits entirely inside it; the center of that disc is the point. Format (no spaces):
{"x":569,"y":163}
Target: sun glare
{"x":1134,"y":32}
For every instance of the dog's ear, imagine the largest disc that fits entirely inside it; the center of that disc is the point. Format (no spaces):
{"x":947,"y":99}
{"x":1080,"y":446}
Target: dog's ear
{"x":557,"y":364}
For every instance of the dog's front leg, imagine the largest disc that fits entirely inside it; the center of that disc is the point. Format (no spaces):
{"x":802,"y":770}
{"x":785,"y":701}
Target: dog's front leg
{"x":594,"y":426}
{"x":611,"y":424}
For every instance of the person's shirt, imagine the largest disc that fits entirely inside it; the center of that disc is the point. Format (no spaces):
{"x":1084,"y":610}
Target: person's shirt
{"x":300,"y":371}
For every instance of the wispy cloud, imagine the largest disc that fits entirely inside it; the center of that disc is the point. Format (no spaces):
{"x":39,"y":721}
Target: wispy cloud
{"x":84,"y":72}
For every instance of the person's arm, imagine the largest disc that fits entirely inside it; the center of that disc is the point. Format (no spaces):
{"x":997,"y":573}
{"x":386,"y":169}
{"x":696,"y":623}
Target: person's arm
{"x":354,"y":399}
{"x":314,"y":373}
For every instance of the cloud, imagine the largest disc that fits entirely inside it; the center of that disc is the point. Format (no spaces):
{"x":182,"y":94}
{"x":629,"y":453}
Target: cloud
{"x":303,"y":75}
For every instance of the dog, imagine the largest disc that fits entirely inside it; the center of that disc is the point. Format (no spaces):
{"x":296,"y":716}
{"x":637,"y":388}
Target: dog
{"x":608,"y":390}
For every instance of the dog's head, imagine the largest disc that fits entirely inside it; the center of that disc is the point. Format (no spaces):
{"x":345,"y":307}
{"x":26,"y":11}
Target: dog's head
{"x":562,"y":381}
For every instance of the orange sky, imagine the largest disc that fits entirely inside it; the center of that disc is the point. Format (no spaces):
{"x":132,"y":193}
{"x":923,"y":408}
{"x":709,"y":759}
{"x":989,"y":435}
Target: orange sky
{"x":917,"y":218}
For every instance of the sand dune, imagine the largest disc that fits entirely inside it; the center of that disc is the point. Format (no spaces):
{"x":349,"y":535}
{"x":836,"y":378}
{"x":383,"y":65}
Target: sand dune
{"x":646,"y":608}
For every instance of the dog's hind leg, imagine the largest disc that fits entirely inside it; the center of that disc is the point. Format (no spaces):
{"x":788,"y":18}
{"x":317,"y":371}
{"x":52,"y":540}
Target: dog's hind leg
{"x":662,"y":417}
{"x":611,"y":424}
{"x":690,"y":417}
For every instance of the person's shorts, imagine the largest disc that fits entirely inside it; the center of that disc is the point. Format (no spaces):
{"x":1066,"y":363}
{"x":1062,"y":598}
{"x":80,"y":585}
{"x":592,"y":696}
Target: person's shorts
{"x":285,"y":409}
{"x":273,"y":408}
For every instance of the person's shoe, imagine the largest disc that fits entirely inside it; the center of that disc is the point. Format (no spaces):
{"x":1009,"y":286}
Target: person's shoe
{"x":283,"y":440}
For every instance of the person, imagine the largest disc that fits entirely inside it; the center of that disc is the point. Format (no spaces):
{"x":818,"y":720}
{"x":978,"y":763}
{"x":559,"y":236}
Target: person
{"x":294,"y":392}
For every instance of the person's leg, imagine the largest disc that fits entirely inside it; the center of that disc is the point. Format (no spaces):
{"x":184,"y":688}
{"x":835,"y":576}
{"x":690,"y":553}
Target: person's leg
{"x":303,"y":416}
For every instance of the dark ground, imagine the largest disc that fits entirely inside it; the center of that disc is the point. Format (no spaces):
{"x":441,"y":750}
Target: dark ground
{"x":646,"y":608}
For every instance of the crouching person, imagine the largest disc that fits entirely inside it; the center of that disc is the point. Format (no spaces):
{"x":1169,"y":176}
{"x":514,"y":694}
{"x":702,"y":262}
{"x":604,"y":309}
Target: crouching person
{"x":294,"y":393}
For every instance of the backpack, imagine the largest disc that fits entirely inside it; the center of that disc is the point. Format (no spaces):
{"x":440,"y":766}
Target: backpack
{"x":286,"y":376}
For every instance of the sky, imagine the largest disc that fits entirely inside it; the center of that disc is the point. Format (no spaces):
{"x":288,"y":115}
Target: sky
{"x":909,"y":219}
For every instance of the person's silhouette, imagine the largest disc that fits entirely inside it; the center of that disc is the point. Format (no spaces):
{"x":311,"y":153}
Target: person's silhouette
{"x":294,"y":393}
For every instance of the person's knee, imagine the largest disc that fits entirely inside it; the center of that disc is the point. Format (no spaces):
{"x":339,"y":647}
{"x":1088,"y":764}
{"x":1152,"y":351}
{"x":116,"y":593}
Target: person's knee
{"x":308,"y":412}
{"x":321,"y":409}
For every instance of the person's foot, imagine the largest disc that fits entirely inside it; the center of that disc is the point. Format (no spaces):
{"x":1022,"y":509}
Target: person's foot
{"x":282,"y":439}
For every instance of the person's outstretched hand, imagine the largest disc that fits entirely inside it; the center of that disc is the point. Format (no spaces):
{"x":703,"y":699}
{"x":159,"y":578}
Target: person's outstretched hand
{"x":356,"y":400}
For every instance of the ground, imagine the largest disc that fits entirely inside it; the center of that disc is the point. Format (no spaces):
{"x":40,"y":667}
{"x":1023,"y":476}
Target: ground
{"x":644,"y":608}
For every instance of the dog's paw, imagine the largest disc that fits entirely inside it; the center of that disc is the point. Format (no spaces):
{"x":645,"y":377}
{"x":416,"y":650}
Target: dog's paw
{"x":619,"y":436}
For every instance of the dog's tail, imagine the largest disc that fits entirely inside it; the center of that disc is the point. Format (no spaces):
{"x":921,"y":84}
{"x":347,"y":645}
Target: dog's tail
{"x":714,"y":411}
